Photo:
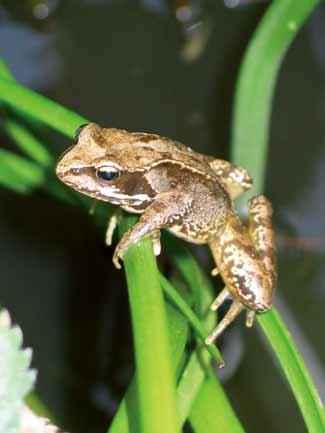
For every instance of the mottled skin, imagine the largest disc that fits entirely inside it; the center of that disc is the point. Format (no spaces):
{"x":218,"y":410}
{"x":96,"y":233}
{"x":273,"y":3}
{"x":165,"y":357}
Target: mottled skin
{"x":188,"y":193}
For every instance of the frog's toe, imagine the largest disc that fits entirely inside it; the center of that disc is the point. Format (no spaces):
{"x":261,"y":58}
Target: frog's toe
{"x":156,"y":244}
{"x":250,"y":316}
{"x":223,"y":295}
{"x":116,"y":261}
{"x":156,"y":247}
{"x":234,"y":310}
{"x":214,"y":272}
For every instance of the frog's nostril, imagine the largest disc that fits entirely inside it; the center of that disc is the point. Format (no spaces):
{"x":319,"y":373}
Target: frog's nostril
{"x":76,"y":170}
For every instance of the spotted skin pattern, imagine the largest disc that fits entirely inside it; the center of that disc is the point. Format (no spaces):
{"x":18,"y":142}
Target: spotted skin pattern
{"x":187,"y":193}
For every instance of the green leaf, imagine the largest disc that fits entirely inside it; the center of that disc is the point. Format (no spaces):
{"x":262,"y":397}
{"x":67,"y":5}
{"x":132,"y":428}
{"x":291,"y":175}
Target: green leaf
{"x":294,"y":370}
{"x":194,"y":277}
{"x":194,"y":321}
{"x":28,"y":142}
{"x":19,"y":174}
{"x":197,"y":374}
{"x":155,"y":379}
{"x":126,"y":420}
{"x":190,"y":384}
{"x":256,"y":83}
{"x":4,"y":71}
{"x":205,"y":418}
{"x":33,"y":105}
{"x":255,"y":89}
{"x":16,"y":380}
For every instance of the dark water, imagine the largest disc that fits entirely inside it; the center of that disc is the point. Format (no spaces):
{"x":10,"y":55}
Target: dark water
{"x":141,"y":66}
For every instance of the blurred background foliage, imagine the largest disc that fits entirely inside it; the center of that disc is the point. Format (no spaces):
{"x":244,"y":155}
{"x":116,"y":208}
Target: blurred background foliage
{"x":170,"y":68}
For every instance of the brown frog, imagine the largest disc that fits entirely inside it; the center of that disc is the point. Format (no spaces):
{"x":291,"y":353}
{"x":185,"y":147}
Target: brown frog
{"x":186,"y":192}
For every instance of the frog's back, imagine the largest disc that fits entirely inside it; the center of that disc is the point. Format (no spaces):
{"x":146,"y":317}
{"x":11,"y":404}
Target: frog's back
{"x":139,"y":149}
{"x":136,"y":151}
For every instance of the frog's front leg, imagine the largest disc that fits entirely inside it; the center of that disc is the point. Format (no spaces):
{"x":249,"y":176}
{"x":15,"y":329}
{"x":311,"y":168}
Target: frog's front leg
{"x":113,"y":223}
{"x":166,"y":211}
{"x":246,"y":260}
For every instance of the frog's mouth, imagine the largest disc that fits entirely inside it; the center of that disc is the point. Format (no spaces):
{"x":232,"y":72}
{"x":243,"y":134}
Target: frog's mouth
{"x":83,"y":182}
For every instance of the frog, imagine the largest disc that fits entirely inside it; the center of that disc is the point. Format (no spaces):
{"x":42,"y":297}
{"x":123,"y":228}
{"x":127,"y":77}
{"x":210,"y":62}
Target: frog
{"x":190,"y":194}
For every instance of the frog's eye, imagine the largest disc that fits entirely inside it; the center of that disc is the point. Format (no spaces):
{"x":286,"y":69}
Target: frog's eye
{"x":107,"y":173}
{"x":78,"y":131}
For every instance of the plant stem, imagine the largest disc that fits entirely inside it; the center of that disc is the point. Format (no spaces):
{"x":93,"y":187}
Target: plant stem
{"x":34,"y":105}
{"x":294,"y":369}
{"x":256,"y":82}
{"x":155,"y":378}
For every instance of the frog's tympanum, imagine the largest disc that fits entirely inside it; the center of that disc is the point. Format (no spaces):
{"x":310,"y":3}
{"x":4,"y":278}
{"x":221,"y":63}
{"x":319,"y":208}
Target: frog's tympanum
{"x":189,"y":194}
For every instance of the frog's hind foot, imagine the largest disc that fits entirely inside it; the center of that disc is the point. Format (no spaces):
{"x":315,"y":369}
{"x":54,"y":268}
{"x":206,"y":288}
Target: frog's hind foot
{"x":234,"y":310}
{"x":223,"y":295}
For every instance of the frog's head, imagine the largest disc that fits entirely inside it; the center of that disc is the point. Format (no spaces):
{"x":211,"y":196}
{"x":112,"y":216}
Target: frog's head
{"x":97,"y":165}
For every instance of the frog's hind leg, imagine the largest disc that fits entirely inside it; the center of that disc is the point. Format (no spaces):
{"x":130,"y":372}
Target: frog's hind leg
{"x":236,"y":178}
{"x":246,"y":258}
{"x":262,"y":234}
{"x":234,"y":310}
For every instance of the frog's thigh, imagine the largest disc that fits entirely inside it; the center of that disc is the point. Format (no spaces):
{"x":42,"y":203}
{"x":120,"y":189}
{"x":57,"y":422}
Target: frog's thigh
{"x":261,"y":232}
{"x":236,"y":178}
{"x":165,"y":211}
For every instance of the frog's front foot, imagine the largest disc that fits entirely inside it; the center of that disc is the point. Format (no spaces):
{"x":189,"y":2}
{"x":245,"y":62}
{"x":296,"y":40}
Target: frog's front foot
{"x":133,"y":236}
{"x":116,"y":258}
{"x":155,"y":238}
{"x":214,"y":272}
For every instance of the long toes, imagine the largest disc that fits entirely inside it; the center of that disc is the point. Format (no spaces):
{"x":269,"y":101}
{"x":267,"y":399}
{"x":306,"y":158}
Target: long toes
{"x":234,"y":310}
{"x":223,"y":295}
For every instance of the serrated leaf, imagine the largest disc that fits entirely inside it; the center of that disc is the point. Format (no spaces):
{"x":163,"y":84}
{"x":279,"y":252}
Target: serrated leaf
{"x":16,"y":379}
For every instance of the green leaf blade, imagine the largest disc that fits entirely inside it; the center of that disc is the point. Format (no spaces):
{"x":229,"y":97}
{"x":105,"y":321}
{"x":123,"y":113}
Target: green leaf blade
{"x":256,"y":83}
{"x":39,"y":107}
{"x":294,"y":369}
{"x":155,"y":378}
{"x":205,"y":418}
{"x":19,"y":174}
